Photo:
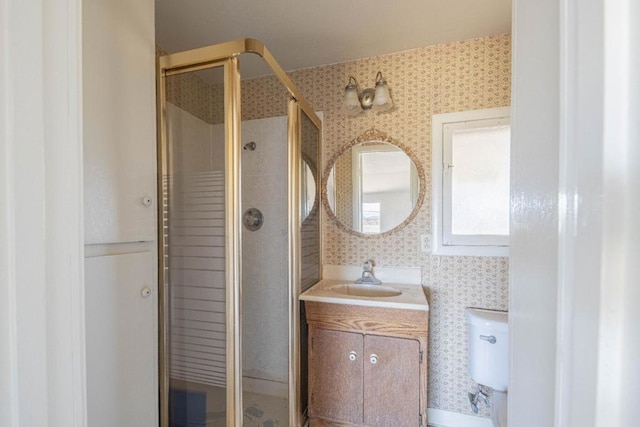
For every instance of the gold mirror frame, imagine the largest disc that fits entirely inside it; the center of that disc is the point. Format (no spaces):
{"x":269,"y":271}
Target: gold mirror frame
{"x":373,"y":135}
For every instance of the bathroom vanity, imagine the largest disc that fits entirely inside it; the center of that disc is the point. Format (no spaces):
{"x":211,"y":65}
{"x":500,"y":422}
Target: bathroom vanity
{"x":367,"y":354}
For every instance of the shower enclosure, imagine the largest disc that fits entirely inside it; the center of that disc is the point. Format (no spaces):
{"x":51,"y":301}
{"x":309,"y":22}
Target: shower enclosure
{"x":238,"y":162}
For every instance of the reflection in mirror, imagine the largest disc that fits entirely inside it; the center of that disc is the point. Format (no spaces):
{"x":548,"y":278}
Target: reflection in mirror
{"x":373,"y":187}
{"x":308,"y":188}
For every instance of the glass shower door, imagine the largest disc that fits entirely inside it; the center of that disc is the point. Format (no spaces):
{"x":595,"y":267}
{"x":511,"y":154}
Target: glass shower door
{"x":194,"y":255}
{"x":265,"y":248}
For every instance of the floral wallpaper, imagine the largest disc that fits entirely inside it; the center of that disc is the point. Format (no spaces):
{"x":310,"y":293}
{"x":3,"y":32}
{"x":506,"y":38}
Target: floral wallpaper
{"x":459,"y":76}
{"x":343,"y":190}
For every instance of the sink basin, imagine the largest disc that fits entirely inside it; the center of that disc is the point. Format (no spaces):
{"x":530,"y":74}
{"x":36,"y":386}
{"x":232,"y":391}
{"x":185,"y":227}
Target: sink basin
{"x":363,"y":290}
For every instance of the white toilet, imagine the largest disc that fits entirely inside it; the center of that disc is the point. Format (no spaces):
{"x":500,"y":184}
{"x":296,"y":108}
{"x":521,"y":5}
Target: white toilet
{"x":488,"y":335}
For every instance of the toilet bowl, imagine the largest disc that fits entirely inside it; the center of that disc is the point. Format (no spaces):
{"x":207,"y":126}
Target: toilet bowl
{"x":488,"y":336}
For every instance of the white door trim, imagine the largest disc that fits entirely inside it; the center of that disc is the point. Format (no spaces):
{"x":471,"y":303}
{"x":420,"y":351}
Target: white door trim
{"x":42,"y":341}
{"x":579,"y":214}
{"x":619,"y":344}
{"x":599,"y":201}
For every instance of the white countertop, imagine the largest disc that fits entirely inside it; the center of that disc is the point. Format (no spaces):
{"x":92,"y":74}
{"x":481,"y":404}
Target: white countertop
{"x":412,"y":296}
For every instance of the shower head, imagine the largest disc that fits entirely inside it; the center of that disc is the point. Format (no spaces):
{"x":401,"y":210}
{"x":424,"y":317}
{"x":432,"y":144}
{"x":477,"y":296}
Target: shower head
{"x":249,"y":146}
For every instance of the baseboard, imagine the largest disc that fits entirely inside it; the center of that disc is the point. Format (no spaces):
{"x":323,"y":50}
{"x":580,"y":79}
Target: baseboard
{"x":440,"y":418}
{"x":270,"y":388}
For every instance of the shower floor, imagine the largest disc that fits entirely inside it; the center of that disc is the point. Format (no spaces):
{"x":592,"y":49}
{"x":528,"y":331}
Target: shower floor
{"x":260,"y":410}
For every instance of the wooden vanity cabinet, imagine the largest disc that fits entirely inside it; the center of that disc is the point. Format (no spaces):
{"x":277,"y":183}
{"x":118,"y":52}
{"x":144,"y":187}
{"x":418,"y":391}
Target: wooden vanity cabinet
{"x":367,"y":365}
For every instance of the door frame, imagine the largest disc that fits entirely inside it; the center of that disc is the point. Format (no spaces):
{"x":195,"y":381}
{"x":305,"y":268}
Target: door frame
{"x":42,"y":308}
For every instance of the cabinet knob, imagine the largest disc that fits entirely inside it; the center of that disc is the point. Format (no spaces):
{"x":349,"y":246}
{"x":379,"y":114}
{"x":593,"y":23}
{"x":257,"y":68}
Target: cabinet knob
{"x":145,"y":292}
{"x":373,"y":359}
{"x":353,"y":356}
{"x":146,"y":201}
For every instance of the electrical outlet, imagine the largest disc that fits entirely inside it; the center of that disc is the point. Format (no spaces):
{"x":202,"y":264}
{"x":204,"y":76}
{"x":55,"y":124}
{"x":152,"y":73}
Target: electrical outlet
{"x":424,"y":242}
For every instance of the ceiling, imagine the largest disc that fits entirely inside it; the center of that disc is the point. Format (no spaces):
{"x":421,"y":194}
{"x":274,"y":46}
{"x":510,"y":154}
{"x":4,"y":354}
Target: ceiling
{"x":310,"y":33}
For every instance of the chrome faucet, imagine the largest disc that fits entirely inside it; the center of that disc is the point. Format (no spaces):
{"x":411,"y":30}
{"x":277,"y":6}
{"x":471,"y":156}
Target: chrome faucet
{"x":367,"y":274}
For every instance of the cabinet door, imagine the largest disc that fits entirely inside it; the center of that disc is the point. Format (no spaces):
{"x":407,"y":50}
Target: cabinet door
{"x":335,"y":375}
{"x":122,"y":387}
{"x":119,"y":121}
{"x":392,"y":381}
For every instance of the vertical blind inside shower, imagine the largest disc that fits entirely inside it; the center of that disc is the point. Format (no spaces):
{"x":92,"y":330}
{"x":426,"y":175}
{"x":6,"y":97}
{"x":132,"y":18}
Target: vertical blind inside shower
{"x":194,"y":228}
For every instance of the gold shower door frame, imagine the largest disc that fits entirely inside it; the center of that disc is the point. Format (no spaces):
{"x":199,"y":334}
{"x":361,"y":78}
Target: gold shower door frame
{"x":225,"y":55}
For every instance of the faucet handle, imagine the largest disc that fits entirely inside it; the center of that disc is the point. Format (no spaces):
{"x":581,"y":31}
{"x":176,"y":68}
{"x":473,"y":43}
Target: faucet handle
{"x":367,"y":273}
{"x":368,"y":265}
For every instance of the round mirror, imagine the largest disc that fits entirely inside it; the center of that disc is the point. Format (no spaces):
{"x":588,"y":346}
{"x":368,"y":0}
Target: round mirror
{"x":373,"y":185}
{"x":308,"y":189}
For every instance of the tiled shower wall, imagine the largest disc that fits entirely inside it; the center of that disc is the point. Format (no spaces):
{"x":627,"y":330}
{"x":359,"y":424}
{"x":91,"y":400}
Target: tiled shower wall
{"x":459,"y":76}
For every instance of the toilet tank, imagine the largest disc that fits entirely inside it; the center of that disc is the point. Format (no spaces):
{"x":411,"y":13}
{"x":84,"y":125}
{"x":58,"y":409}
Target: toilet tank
{"x":488,"y":337}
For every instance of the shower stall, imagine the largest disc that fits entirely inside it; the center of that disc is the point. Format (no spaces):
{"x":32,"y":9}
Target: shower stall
{"x":238,"y":162}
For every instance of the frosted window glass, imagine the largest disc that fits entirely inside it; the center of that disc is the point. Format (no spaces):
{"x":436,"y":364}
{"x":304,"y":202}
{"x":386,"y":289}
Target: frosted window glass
{"x":480,"y":181}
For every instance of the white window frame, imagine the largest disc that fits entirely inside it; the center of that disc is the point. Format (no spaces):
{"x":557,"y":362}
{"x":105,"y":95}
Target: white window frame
{"x":443,"y":242}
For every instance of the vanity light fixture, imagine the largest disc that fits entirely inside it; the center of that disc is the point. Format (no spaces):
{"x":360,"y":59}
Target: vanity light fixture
{"x":378,"y":99}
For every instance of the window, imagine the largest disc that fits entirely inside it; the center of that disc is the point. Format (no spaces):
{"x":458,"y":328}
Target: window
{"x":470,"y":167}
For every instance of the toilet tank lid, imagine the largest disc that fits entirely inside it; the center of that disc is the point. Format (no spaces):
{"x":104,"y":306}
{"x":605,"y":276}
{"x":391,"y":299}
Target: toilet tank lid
{"x":493,"y":319}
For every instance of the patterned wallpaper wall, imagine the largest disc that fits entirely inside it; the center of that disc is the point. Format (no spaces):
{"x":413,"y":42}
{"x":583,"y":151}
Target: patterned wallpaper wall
{"x":343,"y":180}
{"x":459,"y":76}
